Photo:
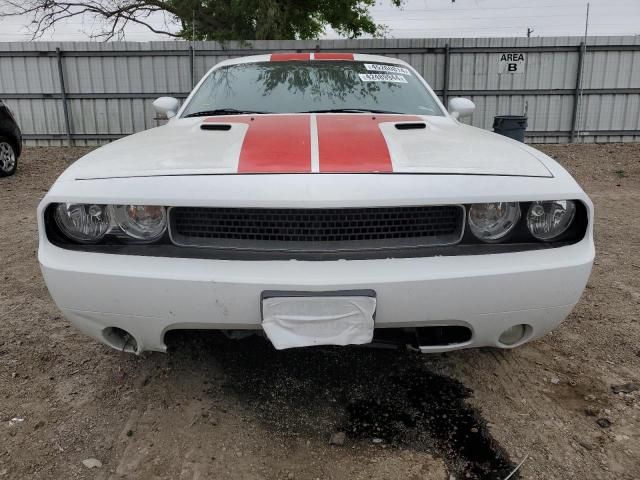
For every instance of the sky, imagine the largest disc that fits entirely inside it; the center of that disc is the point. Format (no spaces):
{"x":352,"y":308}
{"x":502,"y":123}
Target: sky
{"x":427,"y":18}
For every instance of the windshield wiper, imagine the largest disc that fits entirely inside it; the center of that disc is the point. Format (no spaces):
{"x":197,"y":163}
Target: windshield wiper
{"x":233,"y":111}
{"x":223,"y":111}
{"x":351,"y":110}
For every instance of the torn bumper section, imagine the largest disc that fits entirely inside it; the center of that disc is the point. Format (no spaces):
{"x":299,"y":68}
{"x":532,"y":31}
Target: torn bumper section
{"x":148,"y":296}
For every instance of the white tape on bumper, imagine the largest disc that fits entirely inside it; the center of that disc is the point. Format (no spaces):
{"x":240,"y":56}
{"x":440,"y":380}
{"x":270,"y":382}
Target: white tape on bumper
{"x":307,"y":321}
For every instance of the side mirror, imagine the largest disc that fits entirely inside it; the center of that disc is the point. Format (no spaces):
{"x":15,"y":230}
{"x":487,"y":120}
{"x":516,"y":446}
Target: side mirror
{"x":461,"y":107}
{"x":166,"y":106}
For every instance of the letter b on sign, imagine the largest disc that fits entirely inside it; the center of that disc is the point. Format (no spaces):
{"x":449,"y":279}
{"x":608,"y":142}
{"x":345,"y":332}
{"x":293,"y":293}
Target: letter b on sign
{"x":511,"y":63}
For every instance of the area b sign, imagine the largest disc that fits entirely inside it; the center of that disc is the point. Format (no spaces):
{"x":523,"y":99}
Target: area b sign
{"x":512,"y":63}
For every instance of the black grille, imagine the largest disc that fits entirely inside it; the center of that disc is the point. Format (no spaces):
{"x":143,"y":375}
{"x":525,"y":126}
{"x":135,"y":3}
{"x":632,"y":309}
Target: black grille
{"x":323,"y":229}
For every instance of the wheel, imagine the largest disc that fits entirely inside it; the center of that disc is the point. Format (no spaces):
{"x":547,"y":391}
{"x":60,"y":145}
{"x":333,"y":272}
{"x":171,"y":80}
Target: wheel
{"x":8,"y":158}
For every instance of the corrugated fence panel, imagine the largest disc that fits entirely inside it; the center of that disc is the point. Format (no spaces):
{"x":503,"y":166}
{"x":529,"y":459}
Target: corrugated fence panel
{"x":549,"y":70}
{"x":110,"y":86}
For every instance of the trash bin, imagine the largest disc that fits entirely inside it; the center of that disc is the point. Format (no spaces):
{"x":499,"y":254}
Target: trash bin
{"x":512,"y":126}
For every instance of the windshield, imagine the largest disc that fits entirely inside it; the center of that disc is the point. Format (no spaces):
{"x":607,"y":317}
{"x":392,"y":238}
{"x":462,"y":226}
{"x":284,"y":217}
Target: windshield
{"x":313,"y":86}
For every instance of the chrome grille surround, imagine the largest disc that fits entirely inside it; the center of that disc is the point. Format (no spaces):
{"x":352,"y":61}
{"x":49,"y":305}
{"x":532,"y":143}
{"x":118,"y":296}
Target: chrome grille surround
{"x":317,"y":229}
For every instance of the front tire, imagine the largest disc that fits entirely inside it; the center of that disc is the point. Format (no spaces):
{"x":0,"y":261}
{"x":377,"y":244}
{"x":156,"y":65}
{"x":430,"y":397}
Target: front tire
{"x":8,"y":158}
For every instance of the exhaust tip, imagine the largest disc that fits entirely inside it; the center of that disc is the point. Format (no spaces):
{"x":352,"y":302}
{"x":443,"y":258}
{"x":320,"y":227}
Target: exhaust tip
{"x":120,"y":339}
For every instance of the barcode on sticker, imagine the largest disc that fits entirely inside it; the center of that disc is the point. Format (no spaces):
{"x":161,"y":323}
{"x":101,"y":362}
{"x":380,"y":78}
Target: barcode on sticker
{"x":382,"y":77}
{"x":377,"y":67}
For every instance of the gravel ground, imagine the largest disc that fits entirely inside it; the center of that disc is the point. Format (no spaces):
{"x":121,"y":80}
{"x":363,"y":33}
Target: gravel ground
{"x":217,"y":408}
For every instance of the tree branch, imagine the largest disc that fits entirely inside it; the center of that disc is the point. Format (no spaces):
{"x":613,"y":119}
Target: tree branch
{"x":220,"y":20}
{"x":114,"y":14}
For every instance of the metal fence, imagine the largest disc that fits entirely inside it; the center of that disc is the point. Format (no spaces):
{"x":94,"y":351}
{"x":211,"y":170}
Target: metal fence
{"x":88,"y":93}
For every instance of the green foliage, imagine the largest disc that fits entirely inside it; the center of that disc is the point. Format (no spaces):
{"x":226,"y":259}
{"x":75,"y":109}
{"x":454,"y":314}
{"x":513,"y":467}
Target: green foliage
{"x":274,"y":19}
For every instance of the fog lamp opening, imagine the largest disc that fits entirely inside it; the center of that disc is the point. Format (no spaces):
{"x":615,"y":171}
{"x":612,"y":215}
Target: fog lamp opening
{"x":514,"y":334}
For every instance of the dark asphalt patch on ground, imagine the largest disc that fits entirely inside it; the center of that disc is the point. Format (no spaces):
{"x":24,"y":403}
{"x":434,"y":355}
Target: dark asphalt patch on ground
{"x":370,"y":394}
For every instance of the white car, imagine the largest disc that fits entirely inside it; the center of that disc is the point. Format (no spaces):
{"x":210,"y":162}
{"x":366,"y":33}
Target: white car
{"x":316,"y":199}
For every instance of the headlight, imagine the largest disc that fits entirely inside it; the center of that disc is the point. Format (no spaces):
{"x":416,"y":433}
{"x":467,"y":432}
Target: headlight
{"x":491,"y":222}
{"x":86,"y":223}
{"x":548,"y":220}
{"x":142,"y":222}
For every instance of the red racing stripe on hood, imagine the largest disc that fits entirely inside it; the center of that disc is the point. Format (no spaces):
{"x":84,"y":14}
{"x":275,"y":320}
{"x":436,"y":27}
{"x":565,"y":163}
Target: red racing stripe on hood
{"x":354,"y":143}
{"x":273,"y":143}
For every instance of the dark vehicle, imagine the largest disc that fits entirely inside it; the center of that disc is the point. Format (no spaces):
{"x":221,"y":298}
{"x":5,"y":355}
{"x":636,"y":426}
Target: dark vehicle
{"x":10,"y":141}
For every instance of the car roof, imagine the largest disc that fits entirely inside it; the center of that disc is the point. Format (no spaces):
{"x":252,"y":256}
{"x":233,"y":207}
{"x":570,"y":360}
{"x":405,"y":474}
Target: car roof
{"x":310,"y":56}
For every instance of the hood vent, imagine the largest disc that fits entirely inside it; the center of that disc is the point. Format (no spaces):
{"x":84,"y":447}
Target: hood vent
{"x":411,"y":126}
{"x":215,"y":126}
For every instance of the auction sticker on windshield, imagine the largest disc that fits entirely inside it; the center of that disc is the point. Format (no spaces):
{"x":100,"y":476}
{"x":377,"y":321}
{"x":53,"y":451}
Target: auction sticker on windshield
{"x":382,"y":77}
{"x":377,"y":67}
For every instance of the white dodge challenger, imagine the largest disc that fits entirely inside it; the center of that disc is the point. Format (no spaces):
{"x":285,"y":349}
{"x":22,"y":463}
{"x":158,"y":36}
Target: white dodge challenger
{"x":316,"y":199}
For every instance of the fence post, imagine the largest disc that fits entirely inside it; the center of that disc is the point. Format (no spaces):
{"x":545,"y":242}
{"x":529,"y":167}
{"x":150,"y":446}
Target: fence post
{"x":445,"y":83}
{"x":63,"y":92}
{"x":192,"y":65}
{"x":576,"y":95}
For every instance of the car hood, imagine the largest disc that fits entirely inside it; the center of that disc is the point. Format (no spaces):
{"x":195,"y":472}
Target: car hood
{"x":303,"y":143}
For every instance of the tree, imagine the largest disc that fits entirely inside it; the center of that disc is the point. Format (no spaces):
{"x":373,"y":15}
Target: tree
{"x":206,"y":19}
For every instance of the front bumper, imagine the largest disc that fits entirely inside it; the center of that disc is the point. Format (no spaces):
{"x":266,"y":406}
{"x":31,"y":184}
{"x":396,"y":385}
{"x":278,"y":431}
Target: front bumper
{"x":148,"y":296}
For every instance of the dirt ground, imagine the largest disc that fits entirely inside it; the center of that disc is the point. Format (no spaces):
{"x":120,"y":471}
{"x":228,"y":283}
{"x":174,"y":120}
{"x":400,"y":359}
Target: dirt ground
{"x":214,"y":408}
